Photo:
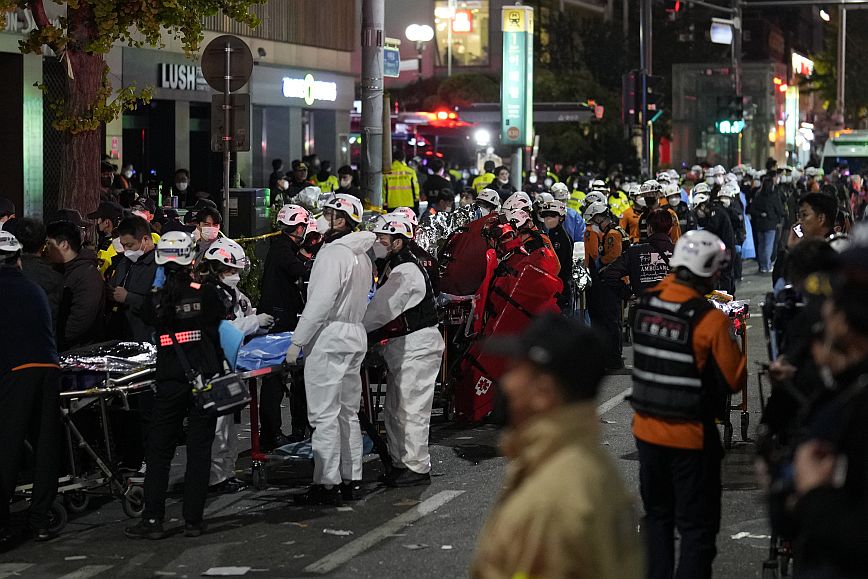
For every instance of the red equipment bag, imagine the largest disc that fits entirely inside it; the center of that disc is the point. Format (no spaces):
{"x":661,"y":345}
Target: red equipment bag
{"x":512,"y":301}
{"x":463,"y":259}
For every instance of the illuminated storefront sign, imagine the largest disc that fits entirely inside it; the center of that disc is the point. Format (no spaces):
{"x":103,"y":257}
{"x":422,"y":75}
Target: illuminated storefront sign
{"x":309,"y":89}
{"x":802,"y":65}
{"x":182,"y":77}
{"x":516,"y":93}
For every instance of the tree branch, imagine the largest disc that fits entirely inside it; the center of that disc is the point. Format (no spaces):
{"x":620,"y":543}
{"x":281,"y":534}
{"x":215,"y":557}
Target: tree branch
{"x":37,"y":8}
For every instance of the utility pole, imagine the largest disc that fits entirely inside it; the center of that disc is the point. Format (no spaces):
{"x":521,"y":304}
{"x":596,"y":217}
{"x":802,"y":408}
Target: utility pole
{"x":842,"y":60}
{"x":645,"y":57}
{"x":373,"y":15}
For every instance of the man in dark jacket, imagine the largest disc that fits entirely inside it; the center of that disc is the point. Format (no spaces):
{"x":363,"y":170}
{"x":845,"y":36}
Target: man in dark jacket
{"x":646,"y":264}
{"x":132,"y":281}
{"x":766,"y":212}
{"x":29,"y":393}
{"x":435,"y":182}
{"x":716,"y":220}
{"x":281,"y":297}
{"x":82,"y":307}
{"x":31,"y":234}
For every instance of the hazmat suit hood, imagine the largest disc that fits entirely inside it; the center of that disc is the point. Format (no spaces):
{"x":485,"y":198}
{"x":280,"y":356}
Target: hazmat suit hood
{"x":359,"y":242}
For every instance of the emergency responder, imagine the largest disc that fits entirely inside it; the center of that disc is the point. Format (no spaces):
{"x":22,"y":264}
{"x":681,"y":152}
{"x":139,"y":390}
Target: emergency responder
{"x":131,"y":281}
{"x":573,"y":223}
{"x":686,"y":220}
{"x":714,"y":220}
{"x":683,"y":370}
{"x":522,"y":201}
{"x":553,"y":214}
{"x":488,"y":201}
{"x":652,"y":192}
{"x":425,"y":259}
{"x":400,"y":185}
{"x":403,"y":312}
{"x":729,"y":199}
{"x":532,"y":240}
{"x":644,"y":264}
{"x":604,"y":299}
{"x":282,"y":297}
{"x":617,"y":200}
{"x":483,"y":181}
{"x":29,"y":393}
{"x":334,"y":341}
{"x":223,"y":264}
{"x":462,"y":258}
{"x":630,"y":219}
{"x":186,"y":316}
{"x":326,"y":182}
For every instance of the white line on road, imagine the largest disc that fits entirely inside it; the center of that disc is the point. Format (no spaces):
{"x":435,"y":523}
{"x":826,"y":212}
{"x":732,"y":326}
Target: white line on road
{"x":612,"y":402}
{"x":358,"y":546}
{"x":13,"y":569}
{"x":86,"y":571}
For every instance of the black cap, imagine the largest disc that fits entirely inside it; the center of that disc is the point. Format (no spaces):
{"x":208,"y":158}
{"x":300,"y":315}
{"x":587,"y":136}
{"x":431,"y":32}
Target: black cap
{"x":6,"y":206}
{"x":72,"y":216}
{"x":298,"y":165}
{"x":107,"y":210}
{"x":562,"y":347}
{"x":106,"y":167}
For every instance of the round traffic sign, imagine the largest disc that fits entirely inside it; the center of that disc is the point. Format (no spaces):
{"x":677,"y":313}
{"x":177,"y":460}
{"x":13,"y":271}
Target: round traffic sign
{"x":513,"y":133}
{"x":214,"y":63}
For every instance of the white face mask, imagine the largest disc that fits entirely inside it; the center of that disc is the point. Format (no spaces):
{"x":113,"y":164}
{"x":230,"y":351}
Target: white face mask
{"x":346,"y":182}
{"x":674,"y":200}
{"x":548,"y":182}
{"x":116,"y":243}
{"x":503,"y":180}
{"x":232,"y":280}
{"x":322,"y":224}
{"x":283,"y":184}
{"x":134,"y":256}
{"x":483,"y":211}
{"x":639,"y":201}
{"x":182,"y":186}
{"x":209,"y":232}
{"x":532,"y":178}
{"x":725,"y":201}
{"x":380,"y":250}
{"x":128,"y":174}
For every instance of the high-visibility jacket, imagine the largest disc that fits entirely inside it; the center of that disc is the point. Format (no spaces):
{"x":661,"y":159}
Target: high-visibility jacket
{"x":400,"y":186}
{"x":618,"y":203}
{"x":630,"y":223}
{"x":576,"y":199}
{"x":329,"y":185}
{"x":482,"y":182}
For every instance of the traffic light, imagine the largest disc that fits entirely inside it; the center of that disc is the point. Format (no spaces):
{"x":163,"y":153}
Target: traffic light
{"x":631,"y":98}
{"x":730,"y":115}
{"x":736,"y":108}
{"x":672,"y":6}
{"x":655,"y":86}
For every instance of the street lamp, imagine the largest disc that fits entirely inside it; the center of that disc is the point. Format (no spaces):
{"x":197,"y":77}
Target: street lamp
{"x":420,"y":34}
{"x":824,"y":16}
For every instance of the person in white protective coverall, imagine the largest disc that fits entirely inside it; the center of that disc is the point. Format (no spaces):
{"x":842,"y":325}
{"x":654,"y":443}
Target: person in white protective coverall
{"x":334,"y":341}
{"x":403,"y":312}
{"x":223,"y":263}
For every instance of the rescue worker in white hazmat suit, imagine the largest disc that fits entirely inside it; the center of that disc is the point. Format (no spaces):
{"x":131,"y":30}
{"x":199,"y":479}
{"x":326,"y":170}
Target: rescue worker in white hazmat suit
{"x":223,"y":263}
{"x":334,"y":341}
{"x":403,"y":312}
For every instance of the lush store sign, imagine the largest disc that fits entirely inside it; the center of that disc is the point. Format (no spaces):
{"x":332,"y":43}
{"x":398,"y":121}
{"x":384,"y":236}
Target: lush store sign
{"x":309,"y":89}
{"x":182,"y":77}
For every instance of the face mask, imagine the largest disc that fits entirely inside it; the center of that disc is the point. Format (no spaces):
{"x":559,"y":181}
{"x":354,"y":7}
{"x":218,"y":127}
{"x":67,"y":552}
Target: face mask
{"x":134,"y":256}
{"x":718,"y":180}
{"x":322,"y":224}
{"x":674,"y":201}
{"x":503,"y":180}
{"x":128,"y":174}
{"x":380,"y":251}
{"x":725,"y":201}
{"x":551,"y":222}
{"x":116,"y":243}
{"x":649,"y":201}
{"x":640,"y":201}
{"x":532,"y":178}
{"x":709,"y":180}
{"x":232,"y":280}
{"x":182,"y":186}
{"x":346,"y":182}
{"x":210,"y":232}
{"x":483,"y":211}
{"x":548,"y":182}
{"x":283,"y":184}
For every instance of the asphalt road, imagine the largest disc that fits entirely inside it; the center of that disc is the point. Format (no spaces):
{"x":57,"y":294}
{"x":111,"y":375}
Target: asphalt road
{"x":419,"y":533}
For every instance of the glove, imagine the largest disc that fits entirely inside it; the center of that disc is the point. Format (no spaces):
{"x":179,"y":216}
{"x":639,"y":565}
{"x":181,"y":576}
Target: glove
{"x":265,"y":320}
{"x":292,"y":354}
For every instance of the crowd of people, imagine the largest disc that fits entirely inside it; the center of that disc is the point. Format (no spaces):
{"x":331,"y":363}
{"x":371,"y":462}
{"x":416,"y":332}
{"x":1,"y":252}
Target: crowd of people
{"x":344,"y":280}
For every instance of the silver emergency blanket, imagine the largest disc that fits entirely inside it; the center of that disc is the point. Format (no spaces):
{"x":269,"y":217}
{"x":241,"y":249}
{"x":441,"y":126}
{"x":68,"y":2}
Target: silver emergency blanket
{"x":112,"y":357}
{"x":581,"y":277}
{"x":312,"y":199}
{"x":436,"y":229}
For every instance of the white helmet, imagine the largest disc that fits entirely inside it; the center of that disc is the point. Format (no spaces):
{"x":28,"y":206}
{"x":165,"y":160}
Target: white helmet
{"x":702,"y":252}
{"x":394,"y":225}
{"x":699,"y":199}
{"x":738,"y":170}
{"x":544,"y":198}
{"x":594,"y":209}
{"x":489,"y":196}
{"x":673,"y":175}
{"x":291,"y":215}
{"x":663,"y":178}
{"x":701,"y":188}
{"x":175,"y":247}
{"x":311,"y":228}
{"x":349,"y":204}
{"x":599,"y":185}
{"x":696,"y":169}
{"x":633,"y":189}
{"x":718,"y":171}
{"x":671,"y":189}
{"x":10,"y":247}
{"x":518,"y":200}
{"x":407,"y":214}
{"x":651,"y":188}
{"x":517,"y":216}
{"x":729,"y":189}
{"x":560,"y":191}
{"x":555,"y":206}
{"x":812,"y":172}
{"x":228,"y":253}
{"x":730,"y":178}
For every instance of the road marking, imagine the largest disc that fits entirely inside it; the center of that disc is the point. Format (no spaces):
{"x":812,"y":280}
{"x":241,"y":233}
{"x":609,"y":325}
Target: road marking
{"x":612,"y":402}
{"x":86,"y":571}
{"x":358,"y":546}
{"x":13,"y":569}
{"x":132,"y":566}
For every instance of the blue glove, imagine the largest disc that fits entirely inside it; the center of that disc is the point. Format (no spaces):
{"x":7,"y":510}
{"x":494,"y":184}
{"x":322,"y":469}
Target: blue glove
{"x":160,"y":278}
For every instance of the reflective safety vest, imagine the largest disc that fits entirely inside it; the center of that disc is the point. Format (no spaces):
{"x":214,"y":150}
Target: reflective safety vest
{"x":422,"y":315}
{"x":329,"y":185}
{"x":666,"y":381}
{"x":618,"y":203}
{"x":400,"y":187}
{"x":576,"y":199}
{"x":483,"y":181}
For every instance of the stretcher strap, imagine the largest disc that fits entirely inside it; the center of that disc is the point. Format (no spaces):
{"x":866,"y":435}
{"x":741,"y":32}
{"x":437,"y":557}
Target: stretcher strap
{"x":514,"y":303}
{"x":181,"y":338}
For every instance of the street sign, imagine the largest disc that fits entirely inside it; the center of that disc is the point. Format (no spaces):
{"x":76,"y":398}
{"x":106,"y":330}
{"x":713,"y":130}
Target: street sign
{"x":214,"y":63}
{"x":391,"y":62}
{"x":239,"y":122}
{"x":516,"y":91}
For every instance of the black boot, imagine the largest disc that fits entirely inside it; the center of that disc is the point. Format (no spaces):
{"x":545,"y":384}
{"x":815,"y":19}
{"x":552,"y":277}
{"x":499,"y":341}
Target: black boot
{"x":319,"y":495}
{"x":351,"y":491}
{"x":408,"y":478}
{"x":146,"y":529}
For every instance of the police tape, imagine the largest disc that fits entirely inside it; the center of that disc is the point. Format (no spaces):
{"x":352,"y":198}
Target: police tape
{"x":257,"y":238}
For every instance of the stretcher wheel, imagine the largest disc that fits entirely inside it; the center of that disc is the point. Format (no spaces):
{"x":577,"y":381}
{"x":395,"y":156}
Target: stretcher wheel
{"x":745,"y":426}
{"x":727,"y":435}
{"x":57,"y":517}
{"x":76,"y":501}
{"x":134,"y":501}
{"x":260,"y":479}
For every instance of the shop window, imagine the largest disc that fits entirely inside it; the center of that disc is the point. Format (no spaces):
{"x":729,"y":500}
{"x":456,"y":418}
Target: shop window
{"x":466,"y":24}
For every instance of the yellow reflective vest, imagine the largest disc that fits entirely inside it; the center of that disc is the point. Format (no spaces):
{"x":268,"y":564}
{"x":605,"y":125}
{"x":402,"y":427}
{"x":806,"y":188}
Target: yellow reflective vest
{"x":400,"y":186}
{"x":575,"y":202}
{"x":329,"y":185}
{"x":483,"y":181}
{"x":618,"y":203}
{"x":105,"y":256}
